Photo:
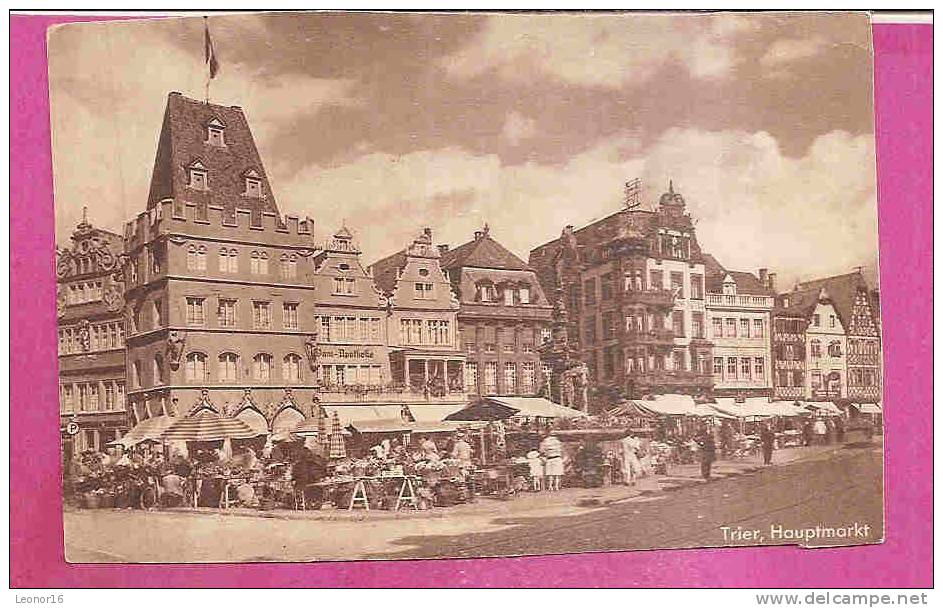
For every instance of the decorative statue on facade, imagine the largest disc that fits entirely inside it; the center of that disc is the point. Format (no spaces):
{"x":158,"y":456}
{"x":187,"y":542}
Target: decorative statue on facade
{"x":311,"y":351}
{"x":85,"y":339}
{"x":113,"y":297}
{"x":175,"y":343}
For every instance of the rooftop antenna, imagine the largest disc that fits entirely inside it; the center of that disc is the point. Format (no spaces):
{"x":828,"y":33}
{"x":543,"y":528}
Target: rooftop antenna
{"x":633,"y":194}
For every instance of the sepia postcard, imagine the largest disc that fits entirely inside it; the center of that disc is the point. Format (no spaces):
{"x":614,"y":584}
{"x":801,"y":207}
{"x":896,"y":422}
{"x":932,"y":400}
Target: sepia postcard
{"x":344,"y":286}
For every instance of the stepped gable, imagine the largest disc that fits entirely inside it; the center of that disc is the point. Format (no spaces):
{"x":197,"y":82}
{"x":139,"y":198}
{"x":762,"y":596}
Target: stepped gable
{"x":183,"y":142}
{"x":842,"y":289}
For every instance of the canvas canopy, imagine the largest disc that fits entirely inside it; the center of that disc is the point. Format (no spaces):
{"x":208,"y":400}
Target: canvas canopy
{"x":207,"y":425}
{"x":537,"y":407}
{"x":146,"y":430}
{"x":826,"y":407}
{"x":869,"y":408}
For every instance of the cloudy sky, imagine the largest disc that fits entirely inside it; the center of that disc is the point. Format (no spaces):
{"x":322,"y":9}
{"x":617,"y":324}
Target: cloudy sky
{"x":392,"y":122}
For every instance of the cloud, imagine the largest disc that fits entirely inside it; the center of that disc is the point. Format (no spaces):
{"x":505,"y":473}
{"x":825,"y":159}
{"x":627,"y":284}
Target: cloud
{"x":599,"y":50}
{"x":755,"y":207}
{"x":106,"y":113}
{"x":518,"y":127}
{"x":788,"y":50}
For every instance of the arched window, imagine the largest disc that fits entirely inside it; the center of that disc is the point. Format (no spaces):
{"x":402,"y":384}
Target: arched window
{"x":196,"y":257}
{"x":291,"y":368}
{"x":224,"y":260}
{"x":834,"y":348}
{"x":289,"y":266}
{"x":262,"y":367}
{"x":195,"y":368}
{"x":228,"y":367}
{"x":259,"y":262}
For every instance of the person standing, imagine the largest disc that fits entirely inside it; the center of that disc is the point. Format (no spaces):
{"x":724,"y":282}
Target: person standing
{"x":767,"y":439}
{"x":630,"y":462}
{"x":552,"y":451}
{"x":807,"y":433}
{"x":536,"y":465}
{"x":708,"y":452}
{"x":820,"y":431}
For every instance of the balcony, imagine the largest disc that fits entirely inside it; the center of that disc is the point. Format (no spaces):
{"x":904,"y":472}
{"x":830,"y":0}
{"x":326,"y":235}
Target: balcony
{"x":334,"y":394}
{"x":671,"y":379}
{"x":652,"y":336}
{"x":663,"y":298}
{"x":739,"y":301}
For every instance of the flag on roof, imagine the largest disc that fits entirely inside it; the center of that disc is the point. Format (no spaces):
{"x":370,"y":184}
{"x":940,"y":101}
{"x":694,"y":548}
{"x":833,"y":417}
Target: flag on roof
{"x":208,"y":51}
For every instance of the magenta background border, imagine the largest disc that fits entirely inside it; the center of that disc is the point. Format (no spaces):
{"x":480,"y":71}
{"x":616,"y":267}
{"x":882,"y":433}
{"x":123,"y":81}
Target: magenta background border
{"x":903,"y":89}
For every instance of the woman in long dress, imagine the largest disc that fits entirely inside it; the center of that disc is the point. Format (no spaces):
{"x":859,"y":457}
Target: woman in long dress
{"x":631,"y":465}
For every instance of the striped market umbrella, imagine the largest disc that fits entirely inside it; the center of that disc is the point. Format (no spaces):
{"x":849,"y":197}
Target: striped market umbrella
{"x":207,"y":425}
{"x":338,"y":449}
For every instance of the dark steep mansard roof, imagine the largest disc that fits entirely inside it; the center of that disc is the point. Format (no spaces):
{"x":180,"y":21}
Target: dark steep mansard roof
{"x":183,"y":142}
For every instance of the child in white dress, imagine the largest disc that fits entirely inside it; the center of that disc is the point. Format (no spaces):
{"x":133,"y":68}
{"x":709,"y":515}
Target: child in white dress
{"x":536,"y":464}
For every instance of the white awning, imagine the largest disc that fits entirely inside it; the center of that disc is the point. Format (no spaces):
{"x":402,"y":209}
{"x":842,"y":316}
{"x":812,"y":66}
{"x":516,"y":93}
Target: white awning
{"x":868,"y":408}
{"x":825,"y":406}
{"x":434,"y":412}
{"x":537,"y":407}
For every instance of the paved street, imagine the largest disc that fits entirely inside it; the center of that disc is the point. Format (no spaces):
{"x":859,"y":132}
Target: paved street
{"x":829,"y":487}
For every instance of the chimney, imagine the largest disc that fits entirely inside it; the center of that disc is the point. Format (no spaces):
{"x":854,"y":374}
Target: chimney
{"x":763,"y":273}
{"x":427,"y":233}
{"x":771,"y":281}
{"x":478,"y":235}
{"x":443,"y":248}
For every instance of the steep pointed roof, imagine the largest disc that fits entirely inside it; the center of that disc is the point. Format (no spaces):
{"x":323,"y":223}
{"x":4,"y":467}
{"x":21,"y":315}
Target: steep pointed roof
{"x":842,"y":289}
{"x":482,"y":252}
{"x":183,"y":143}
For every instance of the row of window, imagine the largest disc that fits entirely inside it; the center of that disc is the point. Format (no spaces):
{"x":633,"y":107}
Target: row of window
{"x":864,"y":347}
{"x":822,"y":380}
{"x":740,"y":368}
{"x":92,"y":396}
{"x":738,"y":328}
{"x":197,"y":369}
{"x":507,"y":347}
{"x":226,"y":313}
{"x":229,"y":261}
{"x":347,"y":329}
{"x":346,"y":375}
{"x":790,"y":379}
{"x":817,"y":321}
{"x":862,"y":377}
{"x":509,"y":295}
{"x":604,"y":288}
{"x":83,"y":292}
{"x":199,"y":179}
{"x":815,"y":348}
{"x":100,"y":336}
{"x":525,"y":382}
{"x":431,"y":332}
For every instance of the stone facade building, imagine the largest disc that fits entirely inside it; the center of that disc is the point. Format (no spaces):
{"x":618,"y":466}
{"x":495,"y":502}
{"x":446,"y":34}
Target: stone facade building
{"x":218,"y":283}
{"x":91,"y":332}
{"x":503,"y":318}
{"x":422,"y":323}
{"x":739,"y":306}
{"x":631,"y":290}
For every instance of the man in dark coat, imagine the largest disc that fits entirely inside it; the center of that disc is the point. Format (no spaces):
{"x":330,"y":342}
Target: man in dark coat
{"x":708,"y":452}
{"x":767,"y":439}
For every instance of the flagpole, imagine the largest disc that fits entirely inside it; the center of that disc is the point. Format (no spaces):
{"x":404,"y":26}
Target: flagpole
{"x":206,"y":61}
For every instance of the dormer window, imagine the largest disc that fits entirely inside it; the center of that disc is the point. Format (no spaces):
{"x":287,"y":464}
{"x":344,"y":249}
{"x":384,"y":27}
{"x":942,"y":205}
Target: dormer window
{"x":253,"y":185}
{"x":214,"y":133}
{"x":198,"y":176}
